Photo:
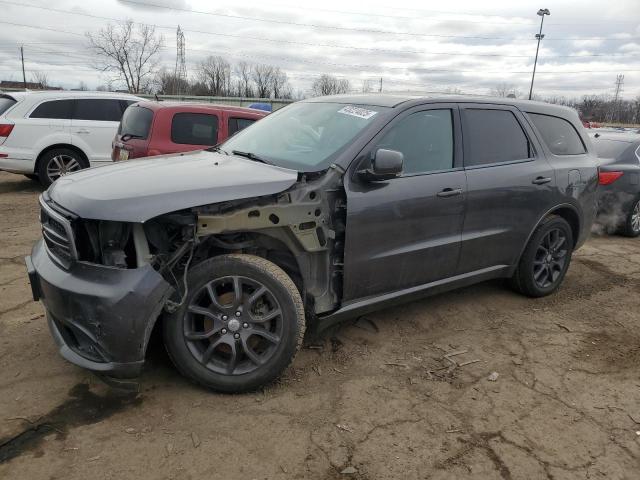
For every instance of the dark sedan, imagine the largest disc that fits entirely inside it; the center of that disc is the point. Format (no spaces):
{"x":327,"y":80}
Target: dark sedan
{"x":619,"y":190}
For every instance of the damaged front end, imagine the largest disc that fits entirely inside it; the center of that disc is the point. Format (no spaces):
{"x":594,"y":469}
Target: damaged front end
{"x":104,"y":283}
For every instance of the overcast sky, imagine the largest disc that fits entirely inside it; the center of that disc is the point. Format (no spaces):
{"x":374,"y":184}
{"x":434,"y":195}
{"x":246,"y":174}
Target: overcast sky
{"x":463,"y":44}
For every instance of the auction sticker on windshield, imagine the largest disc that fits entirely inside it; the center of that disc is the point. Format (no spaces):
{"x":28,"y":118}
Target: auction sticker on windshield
{"x":357,"y":112}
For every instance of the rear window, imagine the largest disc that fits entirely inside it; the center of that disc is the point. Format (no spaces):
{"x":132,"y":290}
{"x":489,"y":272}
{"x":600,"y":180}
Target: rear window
{"x":560,"y":136}
{"x":6,"y":103}
{"x":98,"y":109}
{"x":610,"y":148}
{"x":194,"y":129}
{"x":493,"y":136}
{"x":58,"y":109}
{"x":237,"y":124}
{"x":136,"y":121}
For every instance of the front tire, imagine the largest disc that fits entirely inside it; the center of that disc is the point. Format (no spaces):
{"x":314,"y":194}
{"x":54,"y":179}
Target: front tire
{"x":546,"y":258}
{"x":58,"y":162}
{"x":241,"y":324}
{"x":631,"y":227}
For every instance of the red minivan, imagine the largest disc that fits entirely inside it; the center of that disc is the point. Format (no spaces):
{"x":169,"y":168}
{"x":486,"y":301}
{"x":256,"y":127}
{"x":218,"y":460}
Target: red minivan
{"x":156,"y":128}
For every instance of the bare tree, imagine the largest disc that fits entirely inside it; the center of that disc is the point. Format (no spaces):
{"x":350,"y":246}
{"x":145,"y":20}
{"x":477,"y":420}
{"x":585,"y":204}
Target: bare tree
{"x":166,"y":83}
{"x":130,"y":53}
{"x":42,"y":78}
{"x":505,"y":90}
{"x":330,"y":85}
{"x":215,"y":73}
{"x":243,"y":79}
{"x":366,"y":86}
{"x":82,"y":86}
{"x":280,"y":84}
{"x":262,"y":76}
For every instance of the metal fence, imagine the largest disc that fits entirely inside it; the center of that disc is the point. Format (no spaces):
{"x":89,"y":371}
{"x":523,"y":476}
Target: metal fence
{"x":233,"y":101}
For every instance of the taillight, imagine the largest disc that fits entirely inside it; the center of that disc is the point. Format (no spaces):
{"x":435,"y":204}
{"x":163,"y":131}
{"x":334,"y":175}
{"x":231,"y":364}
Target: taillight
{"x":5,"y":129}
{"x":607,"y":178}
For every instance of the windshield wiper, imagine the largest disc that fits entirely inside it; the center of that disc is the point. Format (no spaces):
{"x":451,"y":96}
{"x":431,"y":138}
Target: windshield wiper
{"x":217,"y":149}
{"x":250,"y":156}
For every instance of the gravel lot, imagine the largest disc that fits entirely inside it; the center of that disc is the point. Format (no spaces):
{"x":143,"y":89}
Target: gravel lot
{"x":372,"y":400}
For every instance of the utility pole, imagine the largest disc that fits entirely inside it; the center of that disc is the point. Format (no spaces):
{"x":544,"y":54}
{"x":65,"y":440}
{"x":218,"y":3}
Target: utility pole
{"x":24,"y":76}
{"x":616,"y":96}
{"x":180,"y":74}
{"x":542,"y":12}
{"x":380,"y":90}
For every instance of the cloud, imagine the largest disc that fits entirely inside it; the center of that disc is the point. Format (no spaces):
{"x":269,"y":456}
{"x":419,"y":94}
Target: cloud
{"x":455,"y":45}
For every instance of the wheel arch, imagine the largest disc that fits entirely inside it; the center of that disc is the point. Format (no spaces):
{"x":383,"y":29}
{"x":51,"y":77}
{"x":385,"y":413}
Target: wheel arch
{"x":68,"y":146}
{"x":566,"y":211}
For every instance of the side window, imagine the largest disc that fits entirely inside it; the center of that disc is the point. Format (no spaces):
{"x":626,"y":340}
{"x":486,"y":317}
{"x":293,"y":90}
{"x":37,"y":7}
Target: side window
{"x":560,"y":136}
{"x":493,"y":136}
{"x":194,"y":129}
{"x":425,"y":139}
{"x":59,"y":109}
{"x":98,"y":109}
{"x":237,"y":124}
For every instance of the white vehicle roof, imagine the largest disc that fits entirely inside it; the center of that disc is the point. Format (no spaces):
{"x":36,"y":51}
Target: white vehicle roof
{"x":29,"y":99}
{"x":49,"y":94}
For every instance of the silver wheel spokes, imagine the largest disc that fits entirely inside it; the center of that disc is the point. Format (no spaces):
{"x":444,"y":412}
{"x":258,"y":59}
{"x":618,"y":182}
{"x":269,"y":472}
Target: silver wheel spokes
{"x":61,"y":165}
{"x":233,"y":325}
{"x":550,"y":258}
{"x":635,"y":217}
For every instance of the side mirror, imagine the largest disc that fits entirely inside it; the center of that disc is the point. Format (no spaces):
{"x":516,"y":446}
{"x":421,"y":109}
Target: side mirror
{"x":385,"y":165}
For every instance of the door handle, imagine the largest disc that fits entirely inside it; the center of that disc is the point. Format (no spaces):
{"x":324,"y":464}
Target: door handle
{"x":541,"y":180}
{"x":84,"y":132}
{"x":449,"y":192}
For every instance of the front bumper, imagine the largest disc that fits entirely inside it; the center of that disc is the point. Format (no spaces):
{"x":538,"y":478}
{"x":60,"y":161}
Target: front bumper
{"x":100,"y":317}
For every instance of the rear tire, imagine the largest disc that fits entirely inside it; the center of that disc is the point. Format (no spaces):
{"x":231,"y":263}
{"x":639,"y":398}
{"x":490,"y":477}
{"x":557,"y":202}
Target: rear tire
{"x":240,"y":326}
{"x":631,"y":227}
{"x":58,"y":162}
{"x":546,"y":258}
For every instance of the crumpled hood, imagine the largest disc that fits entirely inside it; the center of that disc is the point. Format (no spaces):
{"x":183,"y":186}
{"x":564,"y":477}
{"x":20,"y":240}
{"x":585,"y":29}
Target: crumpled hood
{"x":138,"y":190}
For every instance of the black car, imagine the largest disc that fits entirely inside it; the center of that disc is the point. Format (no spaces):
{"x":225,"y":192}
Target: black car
{"x":326,"y":209}
{"x":619,"y":191}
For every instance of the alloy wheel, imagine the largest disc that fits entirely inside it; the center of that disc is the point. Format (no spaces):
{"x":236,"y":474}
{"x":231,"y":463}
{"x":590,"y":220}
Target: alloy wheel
{"x":635,"y":217}
{"x":60,"y":165}
{"x":233,"y":325}
{"x":550,"y":258}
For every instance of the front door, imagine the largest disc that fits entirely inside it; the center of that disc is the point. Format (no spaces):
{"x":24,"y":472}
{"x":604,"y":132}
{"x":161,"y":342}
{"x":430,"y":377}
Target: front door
{"x":405,"y":232}
{"x":94,"y":125}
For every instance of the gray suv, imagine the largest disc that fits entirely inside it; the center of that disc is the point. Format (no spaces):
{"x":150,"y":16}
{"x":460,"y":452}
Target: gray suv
{"x":326,"y":209}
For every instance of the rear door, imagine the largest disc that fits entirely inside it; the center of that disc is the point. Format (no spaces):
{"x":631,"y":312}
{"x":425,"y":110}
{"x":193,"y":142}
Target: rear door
{"x":405,"y":232}
{"x":48,"y":123}
{"x":94,"y":124}
{"x":510,"y":185}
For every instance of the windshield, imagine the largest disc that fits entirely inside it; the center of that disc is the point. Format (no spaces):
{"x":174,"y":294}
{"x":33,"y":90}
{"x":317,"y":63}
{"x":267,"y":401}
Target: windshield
{"x":611,"y":148}
{"x":304,"y":136}
{"x":5,"y":103}
{"x":136,"y":122}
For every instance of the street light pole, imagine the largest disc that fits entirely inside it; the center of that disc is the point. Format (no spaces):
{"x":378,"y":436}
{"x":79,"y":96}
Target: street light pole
{"x":542,"y":12}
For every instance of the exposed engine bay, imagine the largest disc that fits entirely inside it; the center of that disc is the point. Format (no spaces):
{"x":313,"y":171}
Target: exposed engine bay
{"x":301,"y":230}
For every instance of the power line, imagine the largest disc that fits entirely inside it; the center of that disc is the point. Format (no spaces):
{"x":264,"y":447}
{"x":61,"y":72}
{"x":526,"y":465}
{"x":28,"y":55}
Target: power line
{"x":335,"y":27}
{"x":286,"y":22}
{"x":348,"y":47}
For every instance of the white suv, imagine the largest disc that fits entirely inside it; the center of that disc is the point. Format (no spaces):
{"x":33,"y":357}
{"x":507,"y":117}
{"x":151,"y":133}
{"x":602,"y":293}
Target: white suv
{"x":49,"y":134}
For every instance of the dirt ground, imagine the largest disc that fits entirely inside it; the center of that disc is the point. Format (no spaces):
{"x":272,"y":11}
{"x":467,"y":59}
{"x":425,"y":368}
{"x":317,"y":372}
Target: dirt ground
{"x":376,"y":399}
